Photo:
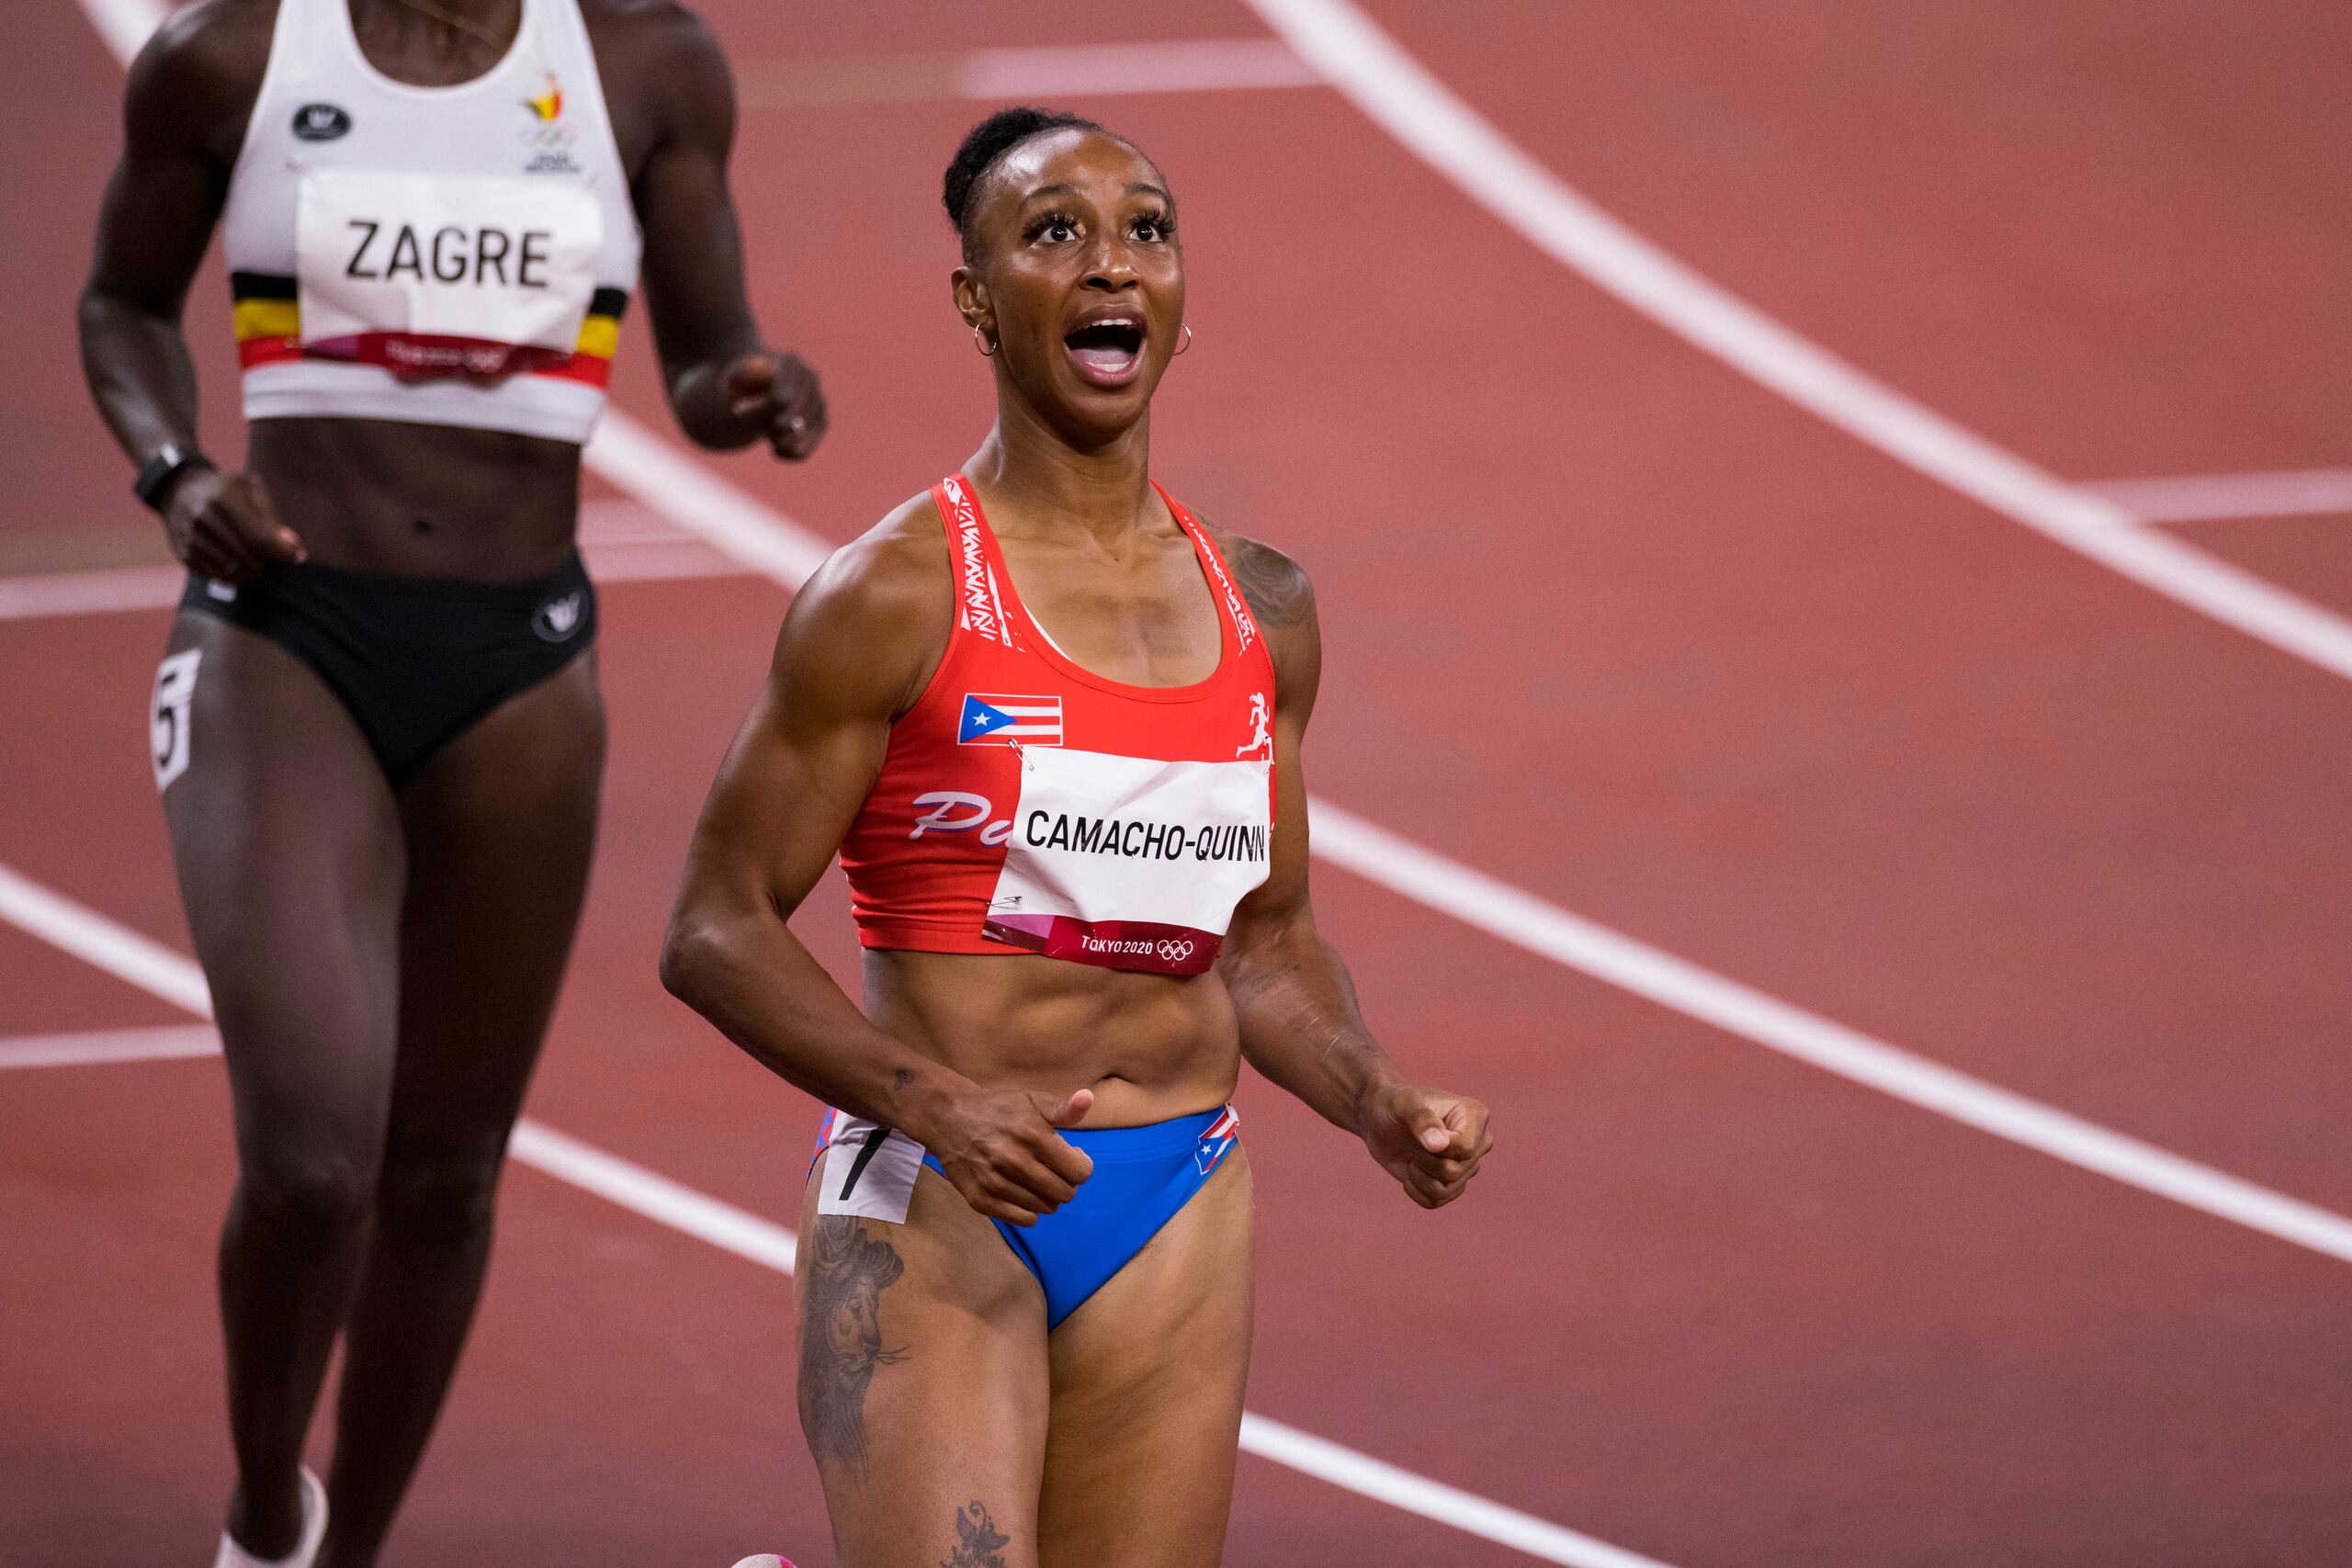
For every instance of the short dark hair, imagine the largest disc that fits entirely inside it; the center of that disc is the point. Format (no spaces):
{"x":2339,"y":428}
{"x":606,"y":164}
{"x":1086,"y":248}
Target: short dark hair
{"x":984,"y":144}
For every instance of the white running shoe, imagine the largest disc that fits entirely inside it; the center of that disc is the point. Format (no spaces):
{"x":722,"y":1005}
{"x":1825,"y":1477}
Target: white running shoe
{"x":765,"y":1560}
{"x":306,"y":1551}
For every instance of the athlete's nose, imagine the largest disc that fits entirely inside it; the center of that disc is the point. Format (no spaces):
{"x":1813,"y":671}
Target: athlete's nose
{"x":1112,"y":268}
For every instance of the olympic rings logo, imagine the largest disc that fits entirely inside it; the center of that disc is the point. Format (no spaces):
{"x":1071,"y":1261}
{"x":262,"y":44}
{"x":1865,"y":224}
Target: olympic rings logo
{"x":1174,"y":950}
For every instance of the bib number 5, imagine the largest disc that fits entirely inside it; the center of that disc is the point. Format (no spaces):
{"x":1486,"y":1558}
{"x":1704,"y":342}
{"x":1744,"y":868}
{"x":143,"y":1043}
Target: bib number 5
{"x":167,"y":716}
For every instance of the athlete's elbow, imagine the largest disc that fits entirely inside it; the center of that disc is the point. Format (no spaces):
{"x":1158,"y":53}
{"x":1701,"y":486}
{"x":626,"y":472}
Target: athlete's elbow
{"x":693,"y":959}
{"x":103,"y":309}
{"x":99,"y":316}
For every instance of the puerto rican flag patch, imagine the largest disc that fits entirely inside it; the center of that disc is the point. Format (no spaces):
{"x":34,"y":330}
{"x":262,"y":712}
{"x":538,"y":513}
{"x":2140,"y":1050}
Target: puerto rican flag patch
{"x":995,"y":718}
{"x":1217,"y":1140}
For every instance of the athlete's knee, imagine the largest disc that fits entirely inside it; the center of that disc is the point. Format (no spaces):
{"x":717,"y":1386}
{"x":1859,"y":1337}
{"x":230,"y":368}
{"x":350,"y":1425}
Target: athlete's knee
{"x":304,"y":1191}
{"x":439,"y":1195}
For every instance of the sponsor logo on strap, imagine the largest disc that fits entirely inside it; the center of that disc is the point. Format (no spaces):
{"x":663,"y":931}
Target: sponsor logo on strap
{"x":978,"y":607}
{"x":1245,"y":627}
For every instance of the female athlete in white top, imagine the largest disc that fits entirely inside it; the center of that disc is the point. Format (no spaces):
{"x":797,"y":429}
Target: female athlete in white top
{"x":377,"y":729}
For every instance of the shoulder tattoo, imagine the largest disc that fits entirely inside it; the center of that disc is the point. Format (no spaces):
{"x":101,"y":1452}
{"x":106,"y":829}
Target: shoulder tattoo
{"x":1275,"y":585}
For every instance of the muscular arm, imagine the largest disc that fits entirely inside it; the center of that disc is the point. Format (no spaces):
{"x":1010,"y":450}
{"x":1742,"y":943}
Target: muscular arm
{"x":783,"y":800}
{"x":854,"y":650}
{"x":727,"y":388}
{"x":190,"y":91}
{"x":1300,"y":1022}
{"x":160,"y":208}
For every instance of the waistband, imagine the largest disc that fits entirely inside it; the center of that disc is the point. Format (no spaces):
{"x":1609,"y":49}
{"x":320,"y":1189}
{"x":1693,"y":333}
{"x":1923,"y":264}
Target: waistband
{"x":573,"y":573}
{"x":1153,"y":1140}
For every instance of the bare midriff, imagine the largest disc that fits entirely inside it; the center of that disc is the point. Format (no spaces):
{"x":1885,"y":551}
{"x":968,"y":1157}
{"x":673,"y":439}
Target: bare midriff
{"x":1151,"y":1047}
{"x":422,"y":499}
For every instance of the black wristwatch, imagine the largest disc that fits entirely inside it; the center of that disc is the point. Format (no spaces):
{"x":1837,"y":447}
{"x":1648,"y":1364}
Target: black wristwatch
{"x":155,"y":478}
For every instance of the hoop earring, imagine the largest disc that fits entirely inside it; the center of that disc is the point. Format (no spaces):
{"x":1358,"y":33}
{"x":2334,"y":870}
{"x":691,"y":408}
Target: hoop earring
{"x":1185,"y":345}
{"x":987,"y":349}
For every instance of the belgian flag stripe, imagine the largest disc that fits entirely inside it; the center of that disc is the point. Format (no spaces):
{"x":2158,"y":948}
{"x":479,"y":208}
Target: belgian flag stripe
{"x":245,"y":285}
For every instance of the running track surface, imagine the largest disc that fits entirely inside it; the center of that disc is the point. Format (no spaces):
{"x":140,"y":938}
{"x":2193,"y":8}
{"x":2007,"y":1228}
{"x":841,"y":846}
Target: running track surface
{"x":1606,"y":620}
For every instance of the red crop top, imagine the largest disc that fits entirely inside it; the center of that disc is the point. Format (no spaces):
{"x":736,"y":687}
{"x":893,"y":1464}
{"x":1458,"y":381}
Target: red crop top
{"x":1027,"y":803}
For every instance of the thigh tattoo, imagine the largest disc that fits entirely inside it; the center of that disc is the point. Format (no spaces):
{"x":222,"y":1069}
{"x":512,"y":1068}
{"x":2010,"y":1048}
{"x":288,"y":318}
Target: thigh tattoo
{"x":841,"y":1336}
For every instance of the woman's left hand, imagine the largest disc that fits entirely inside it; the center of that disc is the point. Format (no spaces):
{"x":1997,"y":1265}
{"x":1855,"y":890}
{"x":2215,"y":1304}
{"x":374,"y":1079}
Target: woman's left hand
{"x":1428,"y":1139}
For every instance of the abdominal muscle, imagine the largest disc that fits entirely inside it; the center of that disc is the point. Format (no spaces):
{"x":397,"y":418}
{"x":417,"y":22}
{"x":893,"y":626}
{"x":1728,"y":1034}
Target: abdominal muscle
{"x":1152,"y":1047}
{"x":421,"y":500}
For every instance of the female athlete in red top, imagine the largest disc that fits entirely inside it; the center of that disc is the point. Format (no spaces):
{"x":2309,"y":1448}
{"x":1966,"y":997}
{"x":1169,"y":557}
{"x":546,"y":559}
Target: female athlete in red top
{"x":1051,"y":721}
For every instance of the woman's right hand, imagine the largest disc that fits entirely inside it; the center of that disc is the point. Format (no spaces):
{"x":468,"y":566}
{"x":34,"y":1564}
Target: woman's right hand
{"x":1004,"y":1152}
{"x":223,"y":526}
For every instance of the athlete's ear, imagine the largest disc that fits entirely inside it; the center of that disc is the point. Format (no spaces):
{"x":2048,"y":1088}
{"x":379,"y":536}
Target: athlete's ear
{"x":972,"y":302}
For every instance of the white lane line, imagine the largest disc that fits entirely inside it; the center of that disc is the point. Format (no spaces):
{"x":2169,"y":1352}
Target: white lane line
{"x":676,"y":487}
{"x":1524,"y":921}
{"x":653,"y":1195}
{"x":102,"y":944}
{"x":1193,"y":65}
{"x":624,"y":541}
{"x":41,"y":595}
{"x":1197,"y":65}
{"x":124,"y":25}
{"x":129,"y":955}
{"x":2202,"y":498}
{"x":1329,"y":1462}
{"x":52,"y":594}
{"x":169,"y":1041}
{"x":1400,"y":95}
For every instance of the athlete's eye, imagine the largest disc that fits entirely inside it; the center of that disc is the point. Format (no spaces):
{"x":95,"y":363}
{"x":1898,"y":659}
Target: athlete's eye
{"x":1153,"y":228}
{"x":1055,"y":227}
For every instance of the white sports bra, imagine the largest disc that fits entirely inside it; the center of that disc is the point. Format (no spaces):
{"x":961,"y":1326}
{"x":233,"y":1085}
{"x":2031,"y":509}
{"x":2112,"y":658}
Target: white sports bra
{"x":442,"y":255}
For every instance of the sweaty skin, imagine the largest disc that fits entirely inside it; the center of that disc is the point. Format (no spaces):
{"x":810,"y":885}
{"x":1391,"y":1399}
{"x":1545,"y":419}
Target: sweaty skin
{"x":948,"y":1427}
{"x":348,"y":929}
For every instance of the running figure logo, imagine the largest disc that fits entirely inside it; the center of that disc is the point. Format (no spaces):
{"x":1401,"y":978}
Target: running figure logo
{"x":1261,"y":737}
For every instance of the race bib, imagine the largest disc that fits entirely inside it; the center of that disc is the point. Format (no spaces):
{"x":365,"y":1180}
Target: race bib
{"x":437,"y":275}
{"x":1128,"y":863}
{"x":167,"y":714}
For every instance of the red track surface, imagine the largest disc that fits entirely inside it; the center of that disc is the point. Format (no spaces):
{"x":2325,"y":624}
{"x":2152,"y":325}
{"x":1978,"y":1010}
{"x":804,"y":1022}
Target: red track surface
{"x":1604,"y":619}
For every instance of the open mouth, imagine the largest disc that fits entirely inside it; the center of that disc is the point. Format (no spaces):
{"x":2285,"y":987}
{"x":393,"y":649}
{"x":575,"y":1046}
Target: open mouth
{"x":1107,"y":352}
